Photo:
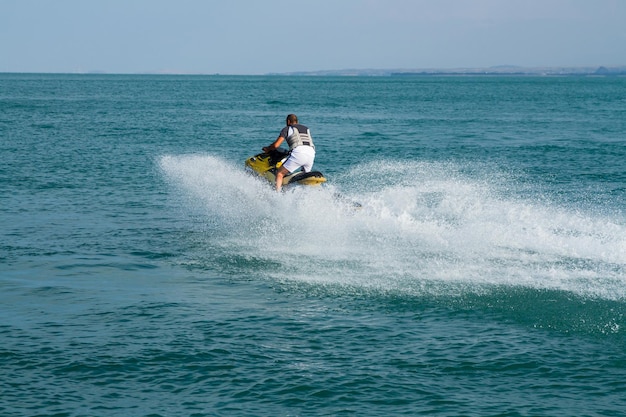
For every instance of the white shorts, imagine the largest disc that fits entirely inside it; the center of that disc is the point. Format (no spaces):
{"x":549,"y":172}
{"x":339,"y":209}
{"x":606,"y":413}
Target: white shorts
{"x":301,"y":156}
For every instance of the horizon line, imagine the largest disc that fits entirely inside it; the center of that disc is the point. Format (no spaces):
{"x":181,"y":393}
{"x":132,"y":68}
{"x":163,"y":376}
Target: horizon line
{"x":492,"y":70}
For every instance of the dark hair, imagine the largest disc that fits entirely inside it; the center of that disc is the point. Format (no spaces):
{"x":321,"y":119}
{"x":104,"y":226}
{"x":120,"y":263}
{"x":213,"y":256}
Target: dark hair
{"x":292,"y":118}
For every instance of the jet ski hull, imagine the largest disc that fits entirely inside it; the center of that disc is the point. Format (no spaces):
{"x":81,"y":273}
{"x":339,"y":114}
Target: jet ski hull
{"x":266,"y":164}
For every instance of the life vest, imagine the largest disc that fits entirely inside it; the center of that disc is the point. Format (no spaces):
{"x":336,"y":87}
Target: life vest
{"x":299,"y":135}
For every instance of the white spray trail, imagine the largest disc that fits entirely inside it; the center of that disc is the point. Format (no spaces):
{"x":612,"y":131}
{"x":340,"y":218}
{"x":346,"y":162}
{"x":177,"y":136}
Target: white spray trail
{"x":421,"y":226}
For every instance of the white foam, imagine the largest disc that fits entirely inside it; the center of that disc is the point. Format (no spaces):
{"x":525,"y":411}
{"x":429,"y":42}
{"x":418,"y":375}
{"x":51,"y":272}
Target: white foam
{"x":419,"y":224}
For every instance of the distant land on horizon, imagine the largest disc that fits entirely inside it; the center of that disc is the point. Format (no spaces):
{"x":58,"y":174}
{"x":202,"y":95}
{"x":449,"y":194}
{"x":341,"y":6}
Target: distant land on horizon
{"x":502,"y":70}
{"x":497,"y":70}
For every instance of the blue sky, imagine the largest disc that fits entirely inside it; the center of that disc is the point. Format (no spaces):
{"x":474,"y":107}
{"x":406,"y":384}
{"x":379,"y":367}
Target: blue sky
{"x":265,"y":36}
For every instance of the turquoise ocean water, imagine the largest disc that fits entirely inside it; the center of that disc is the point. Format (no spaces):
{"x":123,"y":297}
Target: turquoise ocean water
{"x":144,"y":273}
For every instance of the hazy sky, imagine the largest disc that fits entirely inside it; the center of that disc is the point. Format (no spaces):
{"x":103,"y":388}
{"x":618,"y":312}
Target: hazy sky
{"x":262,"y":36}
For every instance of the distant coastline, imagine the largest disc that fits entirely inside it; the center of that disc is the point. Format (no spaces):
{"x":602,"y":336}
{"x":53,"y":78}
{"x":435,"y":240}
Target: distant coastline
{"x":503,"y":70}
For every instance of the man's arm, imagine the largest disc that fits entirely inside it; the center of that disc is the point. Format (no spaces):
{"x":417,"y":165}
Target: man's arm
{"x":274,"y":145}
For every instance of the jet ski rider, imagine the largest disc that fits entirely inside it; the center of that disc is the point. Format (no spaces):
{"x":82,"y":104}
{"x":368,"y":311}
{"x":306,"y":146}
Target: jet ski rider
{"x":302,"y":150}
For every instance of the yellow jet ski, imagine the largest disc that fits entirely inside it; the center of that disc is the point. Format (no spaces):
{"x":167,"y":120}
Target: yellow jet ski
{"x":265,"y":165}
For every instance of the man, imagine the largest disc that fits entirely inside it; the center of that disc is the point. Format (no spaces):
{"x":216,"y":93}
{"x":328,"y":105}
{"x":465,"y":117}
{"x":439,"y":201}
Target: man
{"x":300,"y":143}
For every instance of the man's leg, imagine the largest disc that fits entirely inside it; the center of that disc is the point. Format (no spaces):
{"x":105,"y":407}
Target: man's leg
{"x":280,"y":174}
